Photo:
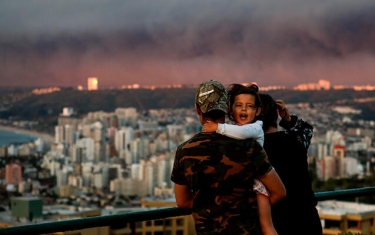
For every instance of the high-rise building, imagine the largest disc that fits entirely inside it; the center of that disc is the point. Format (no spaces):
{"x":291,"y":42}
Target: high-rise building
{"x":65,"y":134}
{"x":13,"y":173}
{"x":162,"y":169}
{"x":77,"y":154}
{"x":139,"y":149}
{"x":150,"y":177}
{"x":98,"y":180}
{"x":123,"y":138}
{"x":59,"y":134}
{"x":137,"y":171}
{"x":61,"y":178}
{"x":92,"y":84}
{"x":87,"y":145}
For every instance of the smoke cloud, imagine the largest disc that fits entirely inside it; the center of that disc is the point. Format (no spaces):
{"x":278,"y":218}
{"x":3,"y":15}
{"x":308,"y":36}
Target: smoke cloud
{"x":61,"y":43}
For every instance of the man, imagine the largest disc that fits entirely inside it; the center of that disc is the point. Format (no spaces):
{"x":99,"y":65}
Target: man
{"x":214,"y":174}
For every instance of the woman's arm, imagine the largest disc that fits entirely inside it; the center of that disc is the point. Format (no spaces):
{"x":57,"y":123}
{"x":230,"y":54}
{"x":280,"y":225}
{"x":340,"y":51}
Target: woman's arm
{"x":292,"y":123}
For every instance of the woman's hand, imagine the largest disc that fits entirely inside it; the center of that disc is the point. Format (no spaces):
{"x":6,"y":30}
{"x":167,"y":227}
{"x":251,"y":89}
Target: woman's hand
{"x":283,"y":111}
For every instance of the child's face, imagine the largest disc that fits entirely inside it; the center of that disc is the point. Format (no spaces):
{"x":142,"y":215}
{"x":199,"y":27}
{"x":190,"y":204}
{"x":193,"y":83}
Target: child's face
{"x":244,"y":110}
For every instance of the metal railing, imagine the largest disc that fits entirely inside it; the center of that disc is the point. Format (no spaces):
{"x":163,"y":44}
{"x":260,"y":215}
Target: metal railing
{"x":155,"y":214}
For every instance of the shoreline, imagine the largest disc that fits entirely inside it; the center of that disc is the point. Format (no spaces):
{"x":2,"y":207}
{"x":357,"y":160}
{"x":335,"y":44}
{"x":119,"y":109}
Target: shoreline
{"x":46,"y":137}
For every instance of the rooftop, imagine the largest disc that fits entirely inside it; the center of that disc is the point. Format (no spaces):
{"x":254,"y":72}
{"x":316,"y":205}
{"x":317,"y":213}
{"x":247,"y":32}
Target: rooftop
{"x":333,"y":207}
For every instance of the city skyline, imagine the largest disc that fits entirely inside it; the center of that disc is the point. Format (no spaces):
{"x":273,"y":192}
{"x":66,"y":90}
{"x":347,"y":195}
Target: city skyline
{"x":44,"y":43}
{"x":92,"y":84}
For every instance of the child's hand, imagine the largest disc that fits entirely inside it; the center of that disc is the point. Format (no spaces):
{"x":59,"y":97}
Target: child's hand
{"x":209,"y":126}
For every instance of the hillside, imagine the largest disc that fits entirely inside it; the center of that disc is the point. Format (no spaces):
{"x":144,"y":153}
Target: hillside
{"x":43,"y":107}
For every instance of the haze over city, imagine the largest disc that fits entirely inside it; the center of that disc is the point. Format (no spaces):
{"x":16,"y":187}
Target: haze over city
{"x":62,"y":43}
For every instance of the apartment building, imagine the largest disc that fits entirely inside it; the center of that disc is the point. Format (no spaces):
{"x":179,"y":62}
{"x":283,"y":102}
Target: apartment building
{"x":339,"y":216}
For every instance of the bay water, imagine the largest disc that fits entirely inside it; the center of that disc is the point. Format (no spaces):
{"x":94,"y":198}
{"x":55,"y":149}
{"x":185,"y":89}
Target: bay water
{"x":9,"y":137}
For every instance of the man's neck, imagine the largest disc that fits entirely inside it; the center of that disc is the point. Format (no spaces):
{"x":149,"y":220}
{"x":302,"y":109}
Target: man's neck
{"x":207,"y":119}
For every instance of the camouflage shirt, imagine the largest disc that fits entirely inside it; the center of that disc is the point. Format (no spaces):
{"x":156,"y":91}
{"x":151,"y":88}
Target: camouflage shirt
{"x":220,"y":171}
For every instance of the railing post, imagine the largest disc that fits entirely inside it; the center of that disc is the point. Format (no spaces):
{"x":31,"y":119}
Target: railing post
{"x":133,"y":227}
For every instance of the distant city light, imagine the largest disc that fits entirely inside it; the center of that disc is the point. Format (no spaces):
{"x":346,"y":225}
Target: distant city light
{"x":92,"y":84}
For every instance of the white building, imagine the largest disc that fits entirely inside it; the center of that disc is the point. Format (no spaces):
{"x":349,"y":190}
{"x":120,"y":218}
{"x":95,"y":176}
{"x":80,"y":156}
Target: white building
{"x":87,"y":145}
{"x":98,"y":180}
{"x":67,"y":111}
{"x":123,"y":137}
{"x":39,"y":145}
{"x":353,"y":167}
{"x":162,"y":168}
{"x":61,"y":178}
{"x":137,"y":171}
{"x":12,"y":150}
{"x":150,"y":177}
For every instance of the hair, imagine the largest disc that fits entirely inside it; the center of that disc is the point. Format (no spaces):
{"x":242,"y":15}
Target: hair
{"x":239,"y":89}
{"x":269,"y":113}
{"x":214,"y":114}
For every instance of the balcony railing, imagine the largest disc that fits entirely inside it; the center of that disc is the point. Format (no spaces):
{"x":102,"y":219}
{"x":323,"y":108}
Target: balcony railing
{"x":155,"y":214}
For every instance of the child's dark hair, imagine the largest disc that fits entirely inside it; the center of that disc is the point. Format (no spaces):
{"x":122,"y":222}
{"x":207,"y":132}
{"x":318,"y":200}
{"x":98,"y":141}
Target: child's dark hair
{"x":238,"y":89}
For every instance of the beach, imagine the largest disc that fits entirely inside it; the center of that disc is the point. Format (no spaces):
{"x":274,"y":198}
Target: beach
{"x":46,"y":137}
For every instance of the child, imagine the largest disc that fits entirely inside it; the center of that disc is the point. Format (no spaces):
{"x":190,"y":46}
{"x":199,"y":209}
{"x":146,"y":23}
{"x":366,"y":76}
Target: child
{"x":244,"y":108}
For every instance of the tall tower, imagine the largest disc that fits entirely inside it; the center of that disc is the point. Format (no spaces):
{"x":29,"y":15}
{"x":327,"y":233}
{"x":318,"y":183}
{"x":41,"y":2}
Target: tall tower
{"x":92,"y":84}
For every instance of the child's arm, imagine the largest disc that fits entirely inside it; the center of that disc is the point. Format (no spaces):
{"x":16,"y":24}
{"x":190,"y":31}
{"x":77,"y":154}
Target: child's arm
{"x":252,"y":130}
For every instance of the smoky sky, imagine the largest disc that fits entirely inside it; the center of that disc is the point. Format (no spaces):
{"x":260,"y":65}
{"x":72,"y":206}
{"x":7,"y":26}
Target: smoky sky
{"x":159,"y":42}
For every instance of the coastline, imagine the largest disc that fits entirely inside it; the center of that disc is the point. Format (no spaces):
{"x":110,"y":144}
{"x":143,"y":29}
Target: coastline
{"x":46,"y":137}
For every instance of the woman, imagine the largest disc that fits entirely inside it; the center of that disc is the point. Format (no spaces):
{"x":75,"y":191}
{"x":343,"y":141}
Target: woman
{"x":287,"y":152}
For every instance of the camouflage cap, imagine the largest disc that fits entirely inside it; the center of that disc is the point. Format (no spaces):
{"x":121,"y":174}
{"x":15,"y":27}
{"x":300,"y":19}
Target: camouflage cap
{"x":211,"y":95}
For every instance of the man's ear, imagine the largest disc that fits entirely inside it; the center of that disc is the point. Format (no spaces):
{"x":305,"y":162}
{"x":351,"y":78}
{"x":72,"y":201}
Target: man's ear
{"x":228,"y":107}
{"x":258,"y":111}
{"x":197,"y":109}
